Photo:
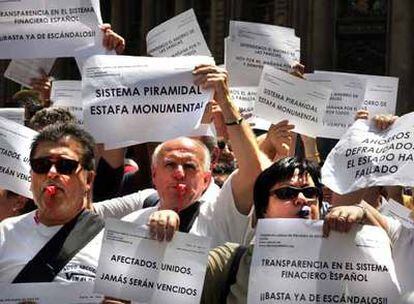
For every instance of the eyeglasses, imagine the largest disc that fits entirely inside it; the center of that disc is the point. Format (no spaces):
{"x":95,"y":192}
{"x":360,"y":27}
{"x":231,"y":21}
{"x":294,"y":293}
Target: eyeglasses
{"x":65,"y":166}
{"x":290,"y":192}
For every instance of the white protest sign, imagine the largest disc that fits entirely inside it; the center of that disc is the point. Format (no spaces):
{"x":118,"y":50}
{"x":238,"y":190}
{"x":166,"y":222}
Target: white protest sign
{"x":283,"y":96}
{"x":48,"y":29}
{"x":67,"y":94}
{"x":252,"y":45}
{"x":15,"y":141}
{"x":131,"y":100}
{"x":133,"y":266}
{"x":14,"y":114}
{"x":245,"y":99}
{"x":380,"y":94}
{"x":346,"y":98}
{"x":366,"y":157}
{"x":397,"y":211}
{"x":22,"y":71}
{"x":293,"y":263}
{"x":179,"y":36}
{"x":239,"y":29}
{"x":49,"y":293}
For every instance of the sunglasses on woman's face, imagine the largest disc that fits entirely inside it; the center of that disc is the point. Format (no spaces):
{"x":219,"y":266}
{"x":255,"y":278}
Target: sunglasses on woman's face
{"x":65,"y":166}
{"x":290,"y":192}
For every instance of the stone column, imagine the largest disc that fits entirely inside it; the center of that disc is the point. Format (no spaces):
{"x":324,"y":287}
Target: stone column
{"x":401,"y":56}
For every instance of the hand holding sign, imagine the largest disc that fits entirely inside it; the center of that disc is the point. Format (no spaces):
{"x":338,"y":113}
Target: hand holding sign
{"x":163,"y":224}
{"x":42,"y":85}
{"x":111,"y":40}
{"x":342,"y":218}
{"x":213,"y":77}
{"x":384,"y":121}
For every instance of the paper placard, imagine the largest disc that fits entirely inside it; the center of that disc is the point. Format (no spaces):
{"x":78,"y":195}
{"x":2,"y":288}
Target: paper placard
{"x":15,"y":141}
{"x":366,"y":157}
{"x":22,"y":71}
{"x":346,"y":98}
{"x":283,"y":96}
{"x":179,"y":36}
{"x":49,"y":29}
{"x":293,"y":263}
{"x":380,"y":93}
{"x":250,"y":46}
{"x":14,"y":114}
{"x":156,"y":96}
{"x":133,"y":266}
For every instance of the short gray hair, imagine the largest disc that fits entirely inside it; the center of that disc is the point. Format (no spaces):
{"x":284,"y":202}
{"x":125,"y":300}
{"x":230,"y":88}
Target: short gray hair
{"x":206,"y":152}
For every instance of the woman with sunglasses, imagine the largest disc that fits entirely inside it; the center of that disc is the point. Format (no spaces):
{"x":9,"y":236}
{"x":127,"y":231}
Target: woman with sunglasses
{"x":290,"y":188}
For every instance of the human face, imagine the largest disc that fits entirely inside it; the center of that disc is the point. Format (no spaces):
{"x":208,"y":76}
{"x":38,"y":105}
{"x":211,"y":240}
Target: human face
{"x":180,"y":164}
{"x":71,"y":189}
{"x":10,"y":205}
{"x":290,"y":208}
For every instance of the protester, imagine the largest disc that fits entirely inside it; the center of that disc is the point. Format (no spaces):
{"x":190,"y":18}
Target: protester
{"x":290,"y":188}
{"x":62,"y":173}
{"x":184,"y":197}
{"x":181,"y":174}
{"x":223,"y":163}
{"x":13,"y":204}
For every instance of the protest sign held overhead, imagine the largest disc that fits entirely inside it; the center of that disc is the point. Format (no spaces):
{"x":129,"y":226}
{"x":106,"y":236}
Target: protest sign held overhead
{"x":179,"y":36}
{"x":67,"y":94}
{"x":367,"y":157}
{"x":252,"y":45}
{"x":14,"y":114}
{"x":245,"y":99}
{"x":283,"y":96}
{"x":346,"y":98}
{"x":47,"y":29}
{"x":130,"y":100}
{"x":22,"y":71}
{"x":15,"y":141}
{"x":380,"y":93}
{"x":132,"y":266}
{"x":354,"y":267}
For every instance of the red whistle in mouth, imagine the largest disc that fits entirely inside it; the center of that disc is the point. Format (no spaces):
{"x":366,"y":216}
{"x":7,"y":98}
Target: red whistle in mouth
{"x":181,"y":188}
{"x":50,"y":190}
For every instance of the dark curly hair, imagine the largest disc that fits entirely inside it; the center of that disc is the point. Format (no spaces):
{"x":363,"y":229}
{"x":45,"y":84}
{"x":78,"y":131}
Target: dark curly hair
{"x":49,"y":116}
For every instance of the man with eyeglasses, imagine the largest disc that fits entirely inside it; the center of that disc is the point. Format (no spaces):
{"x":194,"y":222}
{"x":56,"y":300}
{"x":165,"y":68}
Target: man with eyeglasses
{"x":55,"y":242}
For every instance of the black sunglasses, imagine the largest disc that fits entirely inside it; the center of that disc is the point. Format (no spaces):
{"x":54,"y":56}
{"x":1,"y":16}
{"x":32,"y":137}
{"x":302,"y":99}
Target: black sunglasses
{"x":290,"y":192}
{"x":65,"y":166}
